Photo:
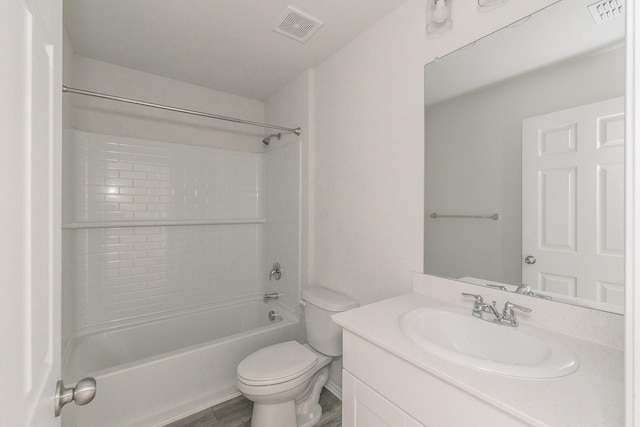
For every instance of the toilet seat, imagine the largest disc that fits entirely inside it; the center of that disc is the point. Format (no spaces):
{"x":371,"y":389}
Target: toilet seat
{"x":276,"y":364}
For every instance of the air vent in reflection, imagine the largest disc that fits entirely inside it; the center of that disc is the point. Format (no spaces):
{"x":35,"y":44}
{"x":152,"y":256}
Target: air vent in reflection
{"x":606,"y":10}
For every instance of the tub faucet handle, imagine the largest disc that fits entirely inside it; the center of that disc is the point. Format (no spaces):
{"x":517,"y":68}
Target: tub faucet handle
{"x":276,"y":271}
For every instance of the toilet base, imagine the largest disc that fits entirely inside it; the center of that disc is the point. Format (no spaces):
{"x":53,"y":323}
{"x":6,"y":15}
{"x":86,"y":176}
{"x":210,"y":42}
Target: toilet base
{"x":305,"y":411}
{"x":274,"y":414}
{"x":308,"y":410}
{"x":286,"y":404}
{"x":310,"y":418}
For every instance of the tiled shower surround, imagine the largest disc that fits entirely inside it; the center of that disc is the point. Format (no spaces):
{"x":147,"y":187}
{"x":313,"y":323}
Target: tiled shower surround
{"x":125,"y":179}
{"x":122,"y":273}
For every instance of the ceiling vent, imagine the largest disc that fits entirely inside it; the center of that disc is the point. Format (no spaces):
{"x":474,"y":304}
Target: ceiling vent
{"x":296,"y":25}
{"x":606,"y":10}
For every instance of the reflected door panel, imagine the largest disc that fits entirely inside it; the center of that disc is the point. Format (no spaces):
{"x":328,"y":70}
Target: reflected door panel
{"x":573,"y":201}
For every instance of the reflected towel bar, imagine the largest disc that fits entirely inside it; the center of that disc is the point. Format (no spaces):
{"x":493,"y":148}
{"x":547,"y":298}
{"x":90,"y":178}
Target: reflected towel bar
{"x":494,"y":216}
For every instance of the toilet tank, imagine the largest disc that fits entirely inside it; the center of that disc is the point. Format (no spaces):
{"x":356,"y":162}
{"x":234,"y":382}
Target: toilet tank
{"x":322,"y":333}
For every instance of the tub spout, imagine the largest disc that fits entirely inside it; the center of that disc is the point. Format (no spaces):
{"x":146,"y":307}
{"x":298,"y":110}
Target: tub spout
{"x":271,"y":296}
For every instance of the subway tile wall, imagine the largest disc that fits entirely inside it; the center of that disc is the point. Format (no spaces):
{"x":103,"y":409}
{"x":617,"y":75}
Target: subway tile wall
{"x":123,"y":273}
{"x":122,"y":178}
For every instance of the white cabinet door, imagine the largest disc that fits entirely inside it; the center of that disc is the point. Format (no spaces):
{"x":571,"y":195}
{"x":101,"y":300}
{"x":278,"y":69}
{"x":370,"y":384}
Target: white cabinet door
{"x":573,"y":201}
{"x":364,"y":407}
{"x":30,"y":93}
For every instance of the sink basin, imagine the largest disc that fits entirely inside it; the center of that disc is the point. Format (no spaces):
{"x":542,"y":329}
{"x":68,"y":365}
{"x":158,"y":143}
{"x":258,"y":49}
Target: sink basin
{"x":461,"y":338}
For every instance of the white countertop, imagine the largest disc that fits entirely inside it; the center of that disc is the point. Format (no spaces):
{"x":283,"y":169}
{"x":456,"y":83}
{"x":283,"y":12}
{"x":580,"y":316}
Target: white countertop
{"x":592,"y":396}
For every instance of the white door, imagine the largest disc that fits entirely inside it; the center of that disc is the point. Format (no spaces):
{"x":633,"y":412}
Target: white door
{"x":30,"y":135}
{"x":573,"y":202}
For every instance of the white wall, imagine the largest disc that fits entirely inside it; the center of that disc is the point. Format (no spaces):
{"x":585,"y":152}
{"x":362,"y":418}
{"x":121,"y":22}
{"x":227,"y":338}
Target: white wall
{"x":368,"y":154}
{"x":282,"y":229}
{"x":367,"y":207}
{"x":475,"y":168}
{"x":291,"y":106}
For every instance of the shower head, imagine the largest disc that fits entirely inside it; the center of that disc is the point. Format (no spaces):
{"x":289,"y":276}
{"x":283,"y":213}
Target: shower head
{"x":267,"y":140}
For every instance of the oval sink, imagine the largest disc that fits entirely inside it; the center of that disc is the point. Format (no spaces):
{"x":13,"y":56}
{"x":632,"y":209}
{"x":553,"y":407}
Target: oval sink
{"x":461,"y":338}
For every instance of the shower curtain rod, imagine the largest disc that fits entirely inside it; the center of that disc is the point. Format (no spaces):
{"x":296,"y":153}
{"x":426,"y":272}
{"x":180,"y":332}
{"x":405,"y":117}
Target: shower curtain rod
{"x":65,"y":89}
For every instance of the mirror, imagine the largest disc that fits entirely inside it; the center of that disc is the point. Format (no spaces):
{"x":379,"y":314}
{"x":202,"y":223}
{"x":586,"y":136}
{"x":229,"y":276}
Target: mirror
{"x":524,"y":159}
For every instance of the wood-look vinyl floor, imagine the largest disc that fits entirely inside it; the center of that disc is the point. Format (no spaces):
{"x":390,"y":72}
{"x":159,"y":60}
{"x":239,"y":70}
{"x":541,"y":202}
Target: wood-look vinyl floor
{"x":237,"y":413}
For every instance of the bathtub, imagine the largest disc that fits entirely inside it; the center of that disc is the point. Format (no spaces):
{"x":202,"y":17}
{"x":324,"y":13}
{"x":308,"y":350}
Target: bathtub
{"x":158,"y":371}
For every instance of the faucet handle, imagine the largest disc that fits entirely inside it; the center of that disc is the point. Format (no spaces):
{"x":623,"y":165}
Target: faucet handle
{"x":523,"y":289}
{"x":508,"y":316}
{"x":509,"y":306}
{"x":276,"y":271}
{"x":478,"y":298}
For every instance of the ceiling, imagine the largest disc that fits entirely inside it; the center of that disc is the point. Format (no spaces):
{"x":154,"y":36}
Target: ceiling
{"x":226,"y":45}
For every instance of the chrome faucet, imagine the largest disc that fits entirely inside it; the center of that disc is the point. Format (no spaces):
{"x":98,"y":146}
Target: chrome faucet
{"x":270,"y":296}
{"x":500,"y":287}
{"x":492,"y":310}
{"x":276,"y":271}
{"x":507,"y":317}
{"x":523,"y":289}
{"x":526,"y":290}
{"x":477,"y":305}
{"x":480,"y":307}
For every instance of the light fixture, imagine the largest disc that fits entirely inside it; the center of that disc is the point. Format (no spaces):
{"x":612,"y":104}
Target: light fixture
{"x":439,"y":19}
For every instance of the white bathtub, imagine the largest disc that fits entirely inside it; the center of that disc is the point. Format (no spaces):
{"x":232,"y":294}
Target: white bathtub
{"x":155,"y":372}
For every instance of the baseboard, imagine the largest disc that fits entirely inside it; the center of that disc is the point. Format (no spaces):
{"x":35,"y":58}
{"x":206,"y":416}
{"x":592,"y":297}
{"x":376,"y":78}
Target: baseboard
{"x":334,"y":388}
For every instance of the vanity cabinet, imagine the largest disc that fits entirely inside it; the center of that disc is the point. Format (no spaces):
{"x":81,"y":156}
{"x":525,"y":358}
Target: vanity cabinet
{"x":381,"y":389}
{"x":363,"y":406}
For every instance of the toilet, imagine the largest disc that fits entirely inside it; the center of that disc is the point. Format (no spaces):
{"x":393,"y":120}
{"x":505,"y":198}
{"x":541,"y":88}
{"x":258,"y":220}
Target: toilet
{"x":284,"y":380}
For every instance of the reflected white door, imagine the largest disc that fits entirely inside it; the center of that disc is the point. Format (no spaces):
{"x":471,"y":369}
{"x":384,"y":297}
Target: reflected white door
{"x":30,"y":82}
{"x":573,"y":202}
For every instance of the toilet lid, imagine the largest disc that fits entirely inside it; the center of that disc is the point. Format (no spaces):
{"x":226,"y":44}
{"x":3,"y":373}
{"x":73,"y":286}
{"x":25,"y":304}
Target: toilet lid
{"x":276,"y":364}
